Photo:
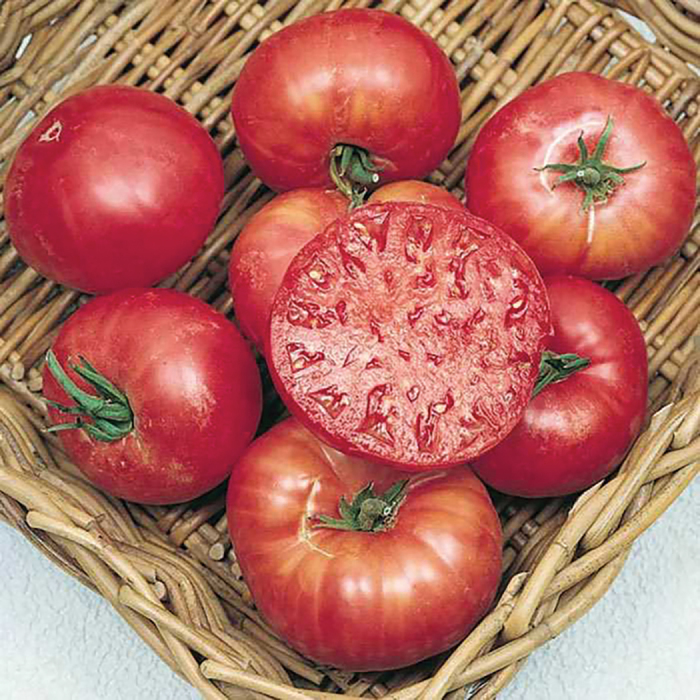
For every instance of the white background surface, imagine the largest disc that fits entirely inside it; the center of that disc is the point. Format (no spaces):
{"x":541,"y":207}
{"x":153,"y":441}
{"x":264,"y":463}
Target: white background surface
{"x":59,"y":641}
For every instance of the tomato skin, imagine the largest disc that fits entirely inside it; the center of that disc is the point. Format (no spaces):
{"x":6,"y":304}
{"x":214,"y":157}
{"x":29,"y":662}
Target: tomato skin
{"x":115,"y":187}
{"x":266,"y":245}
{"x":358,"y":76}
{"x":574,"y":432}
{"x":359,"y":600}
{"x":643,"y":222}
{"x":192,"y":384}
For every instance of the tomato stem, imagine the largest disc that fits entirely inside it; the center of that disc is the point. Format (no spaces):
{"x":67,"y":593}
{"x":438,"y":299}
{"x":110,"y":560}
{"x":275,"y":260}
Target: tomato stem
{"x":352,"y":170}
{"x":109,"y":413}
{"x":597,"y":179}
{"x":368,"y":511}
{"x":556,"y":368}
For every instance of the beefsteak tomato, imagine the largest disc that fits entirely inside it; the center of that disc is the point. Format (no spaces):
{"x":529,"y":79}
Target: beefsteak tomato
{"x":400,"y":573}
{"x":153,"y":393}
{"x":575,"y":431}
{"x":589,"y":175}
{"x":408,"y":334}
{"x":359,"y":92}
{"x":115,"y":187}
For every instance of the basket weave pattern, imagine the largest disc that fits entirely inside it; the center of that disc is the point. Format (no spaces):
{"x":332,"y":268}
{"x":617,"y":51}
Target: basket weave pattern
{"x":676,"y":24}
{"x":171,"y":572}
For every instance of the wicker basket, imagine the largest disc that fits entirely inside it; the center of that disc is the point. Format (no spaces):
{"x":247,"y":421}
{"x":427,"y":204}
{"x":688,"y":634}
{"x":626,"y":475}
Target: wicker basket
{"x":676,"y":24}
{"x":170,"y":572}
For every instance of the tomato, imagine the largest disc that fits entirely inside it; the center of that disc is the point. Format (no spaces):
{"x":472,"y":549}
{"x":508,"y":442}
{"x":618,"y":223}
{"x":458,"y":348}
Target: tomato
{"x":276,"y":233}
{"x":408,"y":334}
{"x":361,"y":81}
{"x":412,"y":584}
{"x":177,"y":400}
{"x":605,"y":231}
{"x":575,"y":431}
{"x":115,"y":187}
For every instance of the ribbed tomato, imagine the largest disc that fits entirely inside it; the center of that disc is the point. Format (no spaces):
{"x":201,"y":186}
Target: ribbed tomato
{"x":360,"y":91}
{"x":416,"y":569}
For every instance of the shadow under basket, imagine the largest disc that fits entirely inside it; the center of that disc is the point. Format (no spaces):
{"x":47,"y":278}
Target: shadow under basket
{"x":170,"y":571}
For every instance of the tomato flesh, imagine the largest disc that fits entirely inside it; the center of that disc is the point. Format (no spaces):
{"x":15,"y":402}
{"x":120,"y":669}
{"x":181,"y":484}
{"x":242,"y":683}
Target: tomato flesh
{"x":409,"y":334}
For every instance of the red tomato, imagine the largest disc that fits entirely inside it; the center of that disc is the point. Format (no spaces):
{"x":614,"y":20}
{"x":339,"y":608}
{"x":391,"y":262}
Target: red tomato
{"x":276,"y":233}
{"x":358,"y":77}
{"x":575,"y":431}
{"x":408,"y":334}
{"x":627,"y":228}
{"x":115,"y":187}
{"x":184,"y":402}
{"x":361,"y":599}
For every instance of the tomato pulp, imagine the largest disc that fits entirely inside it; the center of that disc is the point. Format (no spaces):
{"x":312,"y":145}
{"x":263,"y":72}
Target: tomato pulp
{"x":409,"y":334}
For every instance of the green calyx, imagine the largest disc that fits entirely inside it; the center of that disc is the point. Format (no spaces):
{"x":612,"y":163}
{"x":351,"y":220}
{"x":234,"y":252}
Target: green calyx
{"x":353,"y":170}
{"x":555,"y":368}
{"x":105,"y":416}
{"x":368,"y":511}
{"x":597,"y":179}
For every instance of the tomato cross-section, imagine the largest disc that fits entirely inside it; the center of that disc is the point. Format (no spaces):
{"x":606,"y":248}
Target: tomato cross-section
{"x":409,"y":334}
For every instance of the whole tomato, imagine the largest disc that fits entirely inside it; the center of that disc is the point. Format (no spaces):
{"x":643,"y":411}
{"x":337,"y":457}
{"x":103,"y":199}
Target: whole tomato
{"x":153,"y":393}
{"x":589,"y":175}
{"x":349,"y":96}
{"x":408,"y":334}
{"x":115,"y":187}
{"x":353,"y":564}
{"x":276,"y":233}
{"x":578,"y":428}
